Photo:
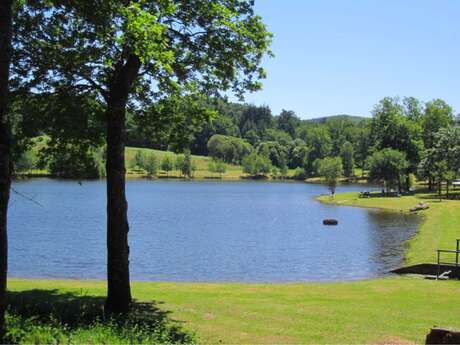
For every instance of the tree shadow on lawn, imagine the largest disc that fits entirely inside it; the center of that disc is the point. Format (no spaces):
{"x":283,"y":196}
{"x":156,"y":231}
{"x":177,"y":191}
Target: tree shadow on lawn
{"x":434,"y":196}
{"x":71,"y":311}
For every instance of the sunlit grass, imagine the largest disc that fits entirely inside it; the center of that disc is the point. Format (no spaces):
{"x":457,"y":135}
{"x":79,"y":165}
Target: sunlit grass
{"x":352,"y":312}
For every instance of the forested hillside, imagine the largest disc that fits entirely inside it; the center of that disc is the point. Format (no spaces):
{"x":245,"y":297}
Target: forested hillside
{"x":394,"y":144}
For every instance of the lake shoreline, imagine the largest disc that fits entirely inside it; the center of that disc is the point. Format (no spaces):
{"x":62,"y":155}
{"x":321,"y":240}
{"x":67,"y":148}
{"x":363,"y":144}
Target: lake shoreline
{"x":437,"y":227}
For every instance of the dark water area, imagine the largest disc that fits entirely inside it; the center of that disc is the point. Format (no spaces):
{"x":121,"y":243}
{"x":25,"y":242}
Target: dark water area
{"x":203,"y":231}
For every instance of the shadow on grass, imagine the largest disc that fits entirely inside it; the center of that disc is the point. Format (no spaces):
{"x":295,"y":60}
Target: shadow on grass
{"x":434,"y":195}
{"x":75,"y":311}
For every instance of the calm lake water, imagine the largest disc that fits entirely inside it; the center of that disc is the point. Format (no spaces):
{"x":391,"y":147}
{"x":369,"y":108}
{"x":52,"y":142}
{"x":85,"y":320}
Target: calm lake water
{"x":203,"y":231}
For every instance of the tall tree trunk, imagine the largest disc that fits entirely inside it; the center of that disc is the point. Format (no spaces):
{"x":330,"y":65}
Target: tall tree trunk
{"x":119,"y":290}
{"x":5,"y":163}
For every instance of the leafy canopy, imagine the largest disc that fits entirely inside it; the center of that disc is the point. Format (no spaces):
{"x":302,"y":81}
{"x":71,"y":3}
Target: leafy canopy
{"x":174,"y":46}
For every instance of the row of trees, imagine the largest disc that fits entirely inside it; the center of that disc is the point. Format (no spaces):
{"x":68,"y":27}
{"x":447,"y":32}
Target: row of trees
{"x":150,"y":163}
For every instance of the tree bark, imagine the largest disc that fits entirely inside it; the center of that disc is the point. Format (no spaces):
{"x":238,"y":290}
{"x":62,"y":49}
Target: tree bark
{"x":5,"y":158}
{"x":119,"y":290}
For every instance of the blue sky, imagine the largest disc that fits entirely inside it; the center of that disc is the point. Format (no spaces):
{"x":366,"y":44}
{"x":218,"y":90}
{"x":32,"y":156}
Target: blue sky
{"x":343,"y":56}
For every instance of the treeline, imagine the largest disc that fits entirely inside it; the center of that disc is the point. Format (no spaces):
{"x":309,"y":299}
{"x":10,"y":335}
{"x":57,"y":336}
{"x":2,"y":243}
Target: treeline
{"x":394,"y":146}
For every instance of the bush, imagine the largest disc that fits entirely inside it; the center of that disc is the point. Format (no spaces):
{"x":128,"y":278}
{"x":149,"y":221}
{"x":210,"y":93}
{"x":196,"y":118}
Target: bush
{"x":256,"y":165}
{"x":299,"y":174}
{"x":229,"y":149}
{"x":75,"y":162}
{"x":151,"y":165}
{"x":167,"y":164}
{"x":26,"y":162}
{"x":331,"y":168}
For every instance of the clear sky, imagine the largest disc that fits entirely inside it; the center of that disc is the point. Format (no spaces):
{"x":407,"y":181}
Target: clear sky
{"x":343,"y":56}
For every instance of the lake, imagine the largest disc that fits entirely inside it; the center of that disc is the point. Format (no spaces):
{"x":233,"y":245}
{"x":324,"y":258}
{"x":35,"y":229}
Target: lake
{"x":203,"y":231}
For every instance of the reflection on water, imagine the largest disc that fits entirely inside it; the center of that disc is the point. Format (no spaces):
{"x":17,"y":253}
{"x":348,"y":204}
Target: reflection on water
{"x":204,"y":231}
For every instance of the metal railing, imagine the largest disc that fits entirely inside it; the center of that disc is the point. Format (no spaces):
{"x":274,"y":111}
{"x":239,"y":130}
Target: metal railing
{"x":455,"y":264}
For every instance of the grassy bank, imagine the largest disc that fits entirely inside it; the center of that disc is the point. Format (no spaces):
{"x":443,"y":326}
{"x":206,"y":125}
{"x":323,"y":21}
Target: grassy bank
{"x":353,"y":312}
{"x":439,"y":229}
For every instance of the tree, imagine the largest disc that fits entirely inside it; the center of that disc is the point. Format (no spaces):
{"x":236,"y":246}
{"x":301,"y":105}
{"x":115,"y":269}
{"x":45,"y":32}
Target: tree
{"x":187,"y":166}
{"x":255,"y":118}
{"x":389,"y":166}
{"x":319,"y":141}
{"x":151,"y":165}
{"x":217,"y":166}
{"x":256,"y":165}
{"x":167,"y":164}
{"x":442,"y":161}
{"x":391,"y":128}
{"x":300,"y":154}
{"x":288,"y":122}
{"x":74,"y":161}
{"x":229,"y":149}
{"x":347,"y":155}
{"x":443,"y":174}
{"x":274,"y":151}
{"x":5,"y":148}
{"x":438,"y":114}
{"x":130,"y":53}
{"x":179,"y":164}
{"x":139,"y":159}
{"x":330,"y":168}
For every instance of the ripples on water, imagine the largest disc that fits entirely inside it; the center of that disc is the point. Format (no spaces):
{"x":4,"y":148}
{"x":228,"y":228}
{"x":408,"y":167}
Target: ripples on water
{"x":203,"y":231}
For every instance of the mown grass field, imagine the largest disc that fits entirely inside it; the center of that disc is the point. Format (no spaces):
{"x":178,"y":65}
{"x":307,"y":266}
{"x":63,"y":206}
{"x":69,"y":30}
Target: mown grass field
{"x":202,"y":164}
{"x":371,"y":311}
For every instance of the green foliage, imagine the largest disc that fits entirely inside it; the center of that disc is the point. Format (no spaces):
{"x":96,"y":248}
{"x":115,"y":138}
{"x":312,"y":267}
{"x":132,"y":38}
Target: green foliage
{"x":27,"y":161}
{"x":229,"y":149}
{"x":179,"y":164}
{"x":288,"y":122}
{"x":330,"y":168}
{"x":139,"y":161}
{"x":256,"y":165}
{"x":275,"y":152}
{"x":49,"y":317}
{"x":151,"y":165}
{"x":347,"y":155}
{"x":441,"y":162}
{"x":438,"y":114}
{"x":388,"y":166}
{"x":392,"y":128}
{"x":187,"y":168}
{"x":217,"y":166}
{"x":73,"y":161}
{"x":167,"y":164}
{"x":300,"y":174}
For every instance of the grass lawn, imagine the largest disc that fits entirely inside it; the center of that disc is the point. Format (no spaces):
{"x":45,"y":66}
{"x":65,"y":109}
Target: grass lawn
{"x":354,"y":312}
{"x":233,"y":171}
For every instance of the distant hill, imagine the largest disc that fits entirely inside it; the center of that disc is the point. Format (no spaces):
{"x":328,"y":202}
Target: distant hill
{"x":324,"y":119}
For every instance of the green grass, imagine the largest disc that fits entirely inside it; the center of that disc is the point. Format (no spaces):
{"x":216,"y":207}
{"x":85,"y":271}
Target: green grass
{"x":49,"y":312}
{"x":439,"y":228}
{"x":353,"y":312}
{"x":233,"y":171}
